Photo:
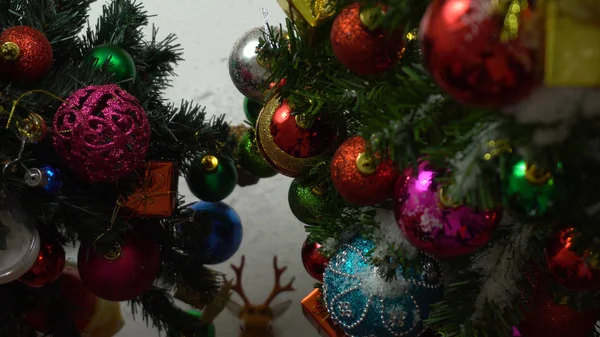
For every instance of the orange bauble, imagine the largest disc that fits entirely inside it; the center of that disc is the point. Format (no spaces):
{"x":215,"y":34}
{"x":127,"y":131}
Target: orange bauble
{"x":357,"y":176}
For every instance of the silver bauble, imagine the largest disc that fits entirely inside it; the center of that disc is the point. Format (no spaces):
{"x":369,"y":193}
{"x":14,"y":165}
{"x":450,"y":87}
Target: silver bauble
{"x":247,"y":74}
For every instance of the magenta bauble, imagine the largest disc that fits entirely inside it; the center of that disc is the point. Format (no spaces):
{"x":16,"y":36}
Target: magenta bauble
{"x":125,"y":277}
{"x":432,"y":223}
{"x":101,"y":133}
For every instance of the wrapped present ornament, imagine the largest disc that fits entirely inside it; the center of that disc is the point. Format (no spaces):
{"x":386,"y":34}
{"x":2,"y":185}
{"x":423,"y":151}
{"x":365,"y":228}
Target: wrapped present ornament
{"x":157,"y":194}
{"x":312,"y":12}
{"x":317,"y":314}
{"x":572,"y":43}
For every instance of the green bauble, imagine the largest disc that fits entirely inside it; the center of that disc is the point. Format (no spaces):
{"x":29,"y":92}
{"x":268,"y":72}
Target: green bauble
{"x":120,"y":63}
{"x":252,"y":109}
{"x":210,"y":328}
{"x":307,"y":201}
{"x":212,"y":178}
{"x":250,"y":158}
{"x":530,"y":193}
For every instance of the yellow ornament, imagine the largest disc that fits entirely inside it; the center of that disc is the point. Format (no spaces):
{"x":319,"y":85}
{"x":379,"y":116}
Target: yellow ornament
{"x":572,"y":43}
{"x":107,"y":320}
{"x":312,"y":11}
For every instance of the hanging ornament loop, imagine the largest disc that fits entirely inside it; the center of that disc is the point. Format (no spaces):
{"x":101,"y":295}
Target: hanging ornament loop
{"x":16,"y":160}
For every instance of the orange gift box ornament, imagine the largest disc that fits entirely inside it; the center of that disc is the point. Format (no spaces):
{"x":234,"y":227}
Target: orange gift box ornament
{"x":157,"y":196}
{"x":317,"y":314}
{"x":572,"y":43}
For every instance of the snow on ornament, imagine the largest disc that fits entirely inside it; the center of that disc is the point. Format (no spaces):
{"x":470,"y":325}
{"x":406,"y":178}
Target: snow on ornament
{"x":363,"y":303}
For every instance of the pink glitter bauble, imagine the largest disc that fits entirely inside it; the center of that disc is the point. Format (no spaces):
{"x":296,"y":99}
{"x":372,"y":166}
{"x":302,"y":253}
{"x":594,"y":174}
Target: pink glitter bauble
{"x":101,"y":132}
{"x":432,"y":226}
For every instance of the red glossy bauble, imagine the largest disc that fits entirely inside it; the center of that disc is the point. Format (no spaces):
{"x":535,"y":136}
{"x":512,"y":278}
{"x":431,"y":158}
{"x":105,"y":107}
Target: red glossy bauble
{"x":435,"y":224}
{"x":48,"y":266}
{"x":35,"y":54}
{"x":125,"y":277}
{"x":357,"y":178}
{"x":463,"y":51}
{"x":547,"y":318}
{"x":314,"y":262}
{"x":361,"y":50}
{"x":79,"y":301}
{"x":289,"y":143}
{"x":568,"y":268}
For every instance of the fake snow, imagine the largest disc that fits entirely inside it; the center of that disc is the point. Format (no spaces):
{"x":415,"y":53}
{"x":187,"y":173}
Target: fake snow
{"x":389,"y":237}
{"x":499,"y":270}
{"x":373,"y":282}
{"x":330,"y":246}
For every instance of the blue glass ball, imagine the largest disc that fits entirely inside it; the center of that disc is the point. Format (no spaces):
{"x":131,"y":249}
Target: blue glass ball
{"x":53,"y":179}
{"x":364,"y":304}
{"x":226,"y":233}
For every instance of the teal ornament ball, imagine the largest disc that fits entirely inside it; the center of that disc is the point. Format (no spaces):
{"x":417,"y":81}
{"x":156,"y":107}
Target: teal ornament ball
{"x":364,"y":304}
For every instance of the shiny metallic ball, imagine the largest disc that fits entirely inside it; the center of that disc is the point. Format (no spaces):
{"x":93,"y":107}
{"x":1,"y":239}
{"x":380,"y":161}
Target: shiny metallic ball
{"x":247,"y":74}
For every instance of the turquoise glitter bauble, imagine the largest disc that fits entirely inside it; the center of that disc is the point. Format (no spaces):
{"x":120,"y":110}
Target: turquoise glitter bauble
{"x":364,"y":304}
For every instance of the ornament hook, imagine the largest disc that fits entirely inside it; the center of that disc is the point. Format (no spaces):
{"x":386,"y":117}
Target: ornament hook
{"x":18,"y":159}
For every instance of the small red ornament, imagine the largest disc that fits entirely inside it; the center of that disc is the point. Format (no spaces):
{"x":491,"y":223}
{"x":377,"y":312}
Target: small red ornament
{"x":290,"y":143}
{"x":314,"y":262}
{"x":356,"y":176}
{"x":547,"y":318}
{"x":435,"y":224}
{"x":360,"y":49}
{"x":462,"y":48}
{"x":48,"y":266}
{"x":124,"y":276}
{"x":569,"y":269}
{"x":26,"y":54}
{"x":79,"y":301}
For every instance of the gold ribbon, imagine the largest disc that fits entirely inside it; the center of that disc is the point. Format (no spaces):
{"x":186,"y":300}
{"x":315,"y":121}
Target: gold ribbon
{"x":18,"y":100}
{"x":312,"y":11}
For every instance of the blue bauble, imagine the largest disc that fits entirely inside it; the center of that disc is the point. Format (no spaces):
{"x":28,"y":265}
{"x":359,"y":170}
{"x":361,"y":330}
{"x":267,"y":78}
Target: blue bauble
{"x":226,"y":232}
{"x":364,"y":304}
{"x":53,"y":179}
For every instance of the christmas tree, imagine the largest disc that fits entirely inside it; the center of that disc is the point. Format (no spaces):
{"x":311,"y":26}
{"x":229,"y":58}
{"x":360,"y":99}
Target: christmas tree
{"x":92,"y":152}
{"x":444,"y":157}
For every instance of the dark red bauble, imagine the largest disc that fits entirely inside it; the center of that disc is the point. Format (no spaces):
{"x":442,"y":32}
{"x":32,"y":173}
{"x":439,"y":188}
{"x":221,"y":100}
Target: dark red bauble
{"x":361,"y":50}
{"x":125,"y":277}
{"x":433,"y":223}
{"x":48,"y":266}
{"x":79,"y":301}
{"x":568,"y":268}
{"x":314,"y":262}
{"x":546,"y":318}
{"x":290,"y":143}
{"x":462,"y":48}
{"x":357,"y":178}
{"x":34,"y":57}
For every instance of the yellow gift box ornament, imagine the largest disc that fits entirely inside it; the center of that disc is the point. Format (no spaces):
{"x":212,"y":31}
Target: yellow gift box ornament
{"x":312,"y":11}
{"x":572,"y":43}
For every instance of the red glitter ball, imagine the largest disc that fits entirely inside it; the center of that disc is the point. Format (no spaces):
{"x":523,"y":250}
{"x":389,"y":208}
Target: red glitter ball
{"x":569,"y":269}
{"x":101,"y":132}
{"x":546,"y":318}
{"x":298,"y":141}
{"x":48,"y":266}
{"x":358,"y":188}
{"x":314,"y":262}
{"x":126,"y":277}
{"x":35,"y":54}
{"x":462,"y":49}
{"x":363,"y":51}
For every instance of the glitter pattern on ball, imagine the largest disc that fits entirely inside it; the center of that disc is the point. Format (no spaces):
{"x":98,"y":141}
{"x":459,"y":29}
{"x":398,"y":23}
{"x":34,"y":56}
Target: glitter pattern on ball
{"x":101,"y":133}
{"x":35,"y":54}
{"x":364,"y":304}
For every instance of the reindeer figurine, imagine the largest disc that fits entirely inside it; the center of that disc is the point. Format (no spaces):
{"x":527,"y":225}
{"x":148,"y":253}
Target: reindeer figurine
{"x":256,"y":320}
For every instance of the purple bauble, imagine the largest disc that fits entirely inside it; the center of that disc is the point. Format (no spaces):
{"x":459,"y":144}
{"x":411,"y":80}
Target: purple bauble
{"x":101,"y":132}
{"x":432,"y":225}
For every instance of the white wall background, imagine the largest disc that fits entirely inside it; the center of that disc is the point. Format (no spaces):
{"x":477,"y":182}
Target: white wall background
{"x":207,"y":31}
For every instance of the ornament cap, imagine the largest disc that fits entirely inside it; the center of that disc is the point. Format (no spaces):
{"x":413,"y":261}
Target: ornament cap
{"x":33,"y":127}
{"x":445,"y":200}
{"x":10,"y":51}
{"x":318,"y":189}
{"x":365,"y":163}
{"x":304,"y":121}
{"x":372,"y":17}
{"x":210,"y":163}
{"x":536,"y":175}
{"x":113,"y":254}
{"x":34,"y":177}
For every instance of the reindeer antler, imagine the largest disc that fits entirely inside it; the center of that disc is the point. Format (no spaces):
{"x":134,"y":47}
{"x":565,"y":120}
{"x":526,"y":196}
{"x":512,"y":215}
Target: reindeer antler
{"x":237,"y":287}
{"x":277,"y":288}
